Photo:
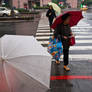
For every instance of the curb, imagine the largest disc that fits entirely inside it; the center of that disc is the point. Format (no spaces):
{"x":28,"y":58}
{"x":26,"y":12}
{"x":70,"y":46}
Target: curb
{"x":18,"y":21}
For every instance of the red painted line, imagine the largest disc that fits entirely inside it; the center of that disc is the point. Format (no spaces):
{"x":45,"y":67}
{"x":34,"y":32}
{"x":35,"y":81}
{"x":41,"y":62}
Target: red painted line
{"x":69,"y":77}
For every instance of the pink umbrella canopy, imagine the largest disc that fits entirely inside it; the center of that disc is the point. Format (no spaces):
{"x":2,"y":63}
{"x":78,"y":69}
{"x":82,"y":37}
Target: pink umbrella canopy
{"x":76,"y":16}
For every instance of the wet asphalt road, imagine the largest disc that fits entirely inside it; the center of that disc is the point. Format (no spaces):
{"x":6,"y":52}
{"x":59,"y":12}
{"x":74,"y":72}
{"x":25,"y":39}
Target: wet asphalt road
{"x":77,"y":80}
{"x":18,"y":28}
{"x":78,"y":68}
{"x":27,"y":28}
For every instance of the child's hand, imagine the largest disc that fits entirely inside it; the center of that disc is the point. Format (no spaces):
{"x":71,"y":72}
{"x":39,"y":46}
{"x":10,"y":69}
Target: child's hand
{"x":65,"y":37}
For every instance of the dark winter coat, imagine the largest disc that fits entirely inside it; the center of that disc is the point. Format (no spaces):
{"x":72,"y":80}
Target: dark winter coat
{"x":53,"y":15}
{"x":63,"y":30}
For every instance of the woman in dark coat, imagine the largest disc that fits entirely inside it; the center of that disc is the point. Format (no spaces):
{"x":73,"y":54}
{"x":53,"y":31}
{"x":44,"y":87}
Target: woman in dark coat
{"x":65,"y":32}
{"x":51,"y":15}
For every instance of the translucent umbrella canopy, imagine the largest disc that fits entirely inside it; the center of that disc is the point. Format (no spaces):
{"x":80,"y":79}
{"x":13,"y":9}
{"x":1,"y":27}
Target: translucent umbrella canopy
{"x":24,"y":65}
{"x":56,"y":8}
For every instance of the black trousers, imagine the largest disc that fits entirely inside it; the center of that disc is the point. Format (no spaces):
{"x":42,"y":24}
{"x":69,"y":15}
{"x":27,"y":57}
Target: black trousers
{"x":66,"y":56}
{"x":50,"y":21}
{"x":65,"y":51}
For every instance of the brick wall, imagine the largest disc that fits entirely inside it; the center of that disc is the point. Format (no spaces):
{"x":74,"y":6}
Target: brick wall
{"x":44,"y":2}
{"x":73,"y":3}
{"x":15,"y":3}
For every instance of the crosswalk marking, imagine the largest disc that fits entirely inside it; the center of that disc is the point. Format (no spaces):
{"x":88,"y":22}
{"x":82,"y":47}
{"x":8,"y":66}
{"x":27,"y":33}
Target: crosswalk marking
{"x":83,"y":32}
{"x":81,"y":57}
{"x":52,"y":33}
{"x":47,"y":37}
{"x":77,"y":41}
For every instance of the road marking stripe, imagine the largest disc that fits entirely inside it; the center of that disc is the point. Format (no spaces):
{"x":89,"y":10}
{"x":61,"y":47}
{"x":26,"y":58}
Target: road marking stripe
{"x":84,"y":48}
{"x":39,"y":30}
{"x":43,"y":33}
{"x":81,"y":56}
{"x":70,"y":77}
{"x":77,"y":41}
{"x":47,"y":37}
{"x":81,"y":48}
{"x":47,"y":33}
{"x":83,"y":27}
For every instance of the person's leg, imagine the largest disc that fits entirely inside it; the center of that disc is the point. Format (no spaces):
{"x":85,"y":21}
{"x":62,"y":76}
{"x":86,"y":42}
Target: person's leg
{"x":57,"y":58}
{"x":50,"y":23}
{"x":66,"y":58}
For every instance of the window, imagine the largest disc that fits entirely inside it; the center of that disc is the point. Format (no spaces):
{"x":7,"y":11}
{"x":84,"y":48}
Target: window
{"x":2,"y":9}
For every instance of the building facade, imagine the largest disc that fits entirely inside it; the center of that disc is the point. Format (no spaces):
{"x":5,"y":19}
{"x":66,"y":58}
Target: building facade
{"x":15,"y":3}
{"x":72,"y":3}
{"x":29,"y":3}
{"x":32,"y":2}
{"x":44,"y":2}
{"x":20,"y":3}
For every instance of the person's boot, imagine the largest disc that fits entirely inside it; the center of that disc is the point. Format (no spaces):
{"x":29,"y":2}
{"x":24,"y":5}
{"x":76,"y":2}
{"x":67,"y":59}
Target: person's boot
{"x":66,"y":68}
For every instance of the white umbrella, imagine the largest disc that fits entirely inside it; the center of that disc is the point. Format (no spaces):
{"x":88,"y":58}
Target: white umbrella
{"x":24,"y":65}
{"x":55,"y":7}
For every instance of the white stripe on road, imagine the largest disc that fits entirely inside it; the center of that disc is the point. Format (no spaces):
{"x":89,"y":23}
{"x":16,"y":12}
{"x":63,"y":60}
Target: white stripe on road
{"x":72,"y":27}
{"x":81,"y":48}
{"x":43,"y":33}
{"x":47,"y":30}
{"x":77,"y":41}
{"x":42,"y":37}
{"x":48,"y":33}
{"x":82,"y":27}
{"x":47,"y":37}
{"x":43,"y":26}
{"x":81,"y":56}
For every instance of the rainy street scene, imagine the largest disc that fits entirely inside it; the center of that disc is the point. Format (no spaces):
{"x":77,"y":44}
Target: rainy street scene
{"x":45,"y":45}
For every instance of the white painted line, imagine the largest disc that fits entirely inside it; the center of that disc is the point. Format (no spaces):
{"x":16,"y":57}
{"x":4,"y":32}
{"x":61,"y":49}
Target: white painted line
{"x":81,"y":30}
{"x":81,"y":56}
{"x":86,"y":33}
{"x":43,"y":37}
{"x":47,"y":30}
{"x":43,"y":33}
{"x":47,"y":37}
{"x":83,"y":41}
{"x":78,"y":41}
{"x":84,"y":37}
{"x":81,"y":48}
{"x":83,"y":27}
{"x":78,"y":29}
{"x":43,"y":26}
{"x":48,"y":33}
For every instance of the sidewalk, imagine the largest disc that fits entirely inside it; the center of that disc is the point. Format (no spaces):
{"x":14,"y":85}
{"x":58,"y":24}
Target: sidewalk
{"x":79,"y":79}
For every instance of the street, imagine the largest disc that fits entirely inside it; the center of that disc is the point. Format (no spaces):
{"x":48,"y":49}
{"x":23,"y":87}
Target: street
{"x":79,"y":79}
{"x":83,"y":48}
{"x":80,"y":76}
{"x":39,"y":55}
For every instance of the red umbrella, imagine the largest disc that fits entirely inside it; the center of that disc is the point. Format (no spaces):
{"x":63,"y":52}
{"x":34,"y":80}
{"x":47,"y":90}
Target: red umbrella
{"x":76,"y":16}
